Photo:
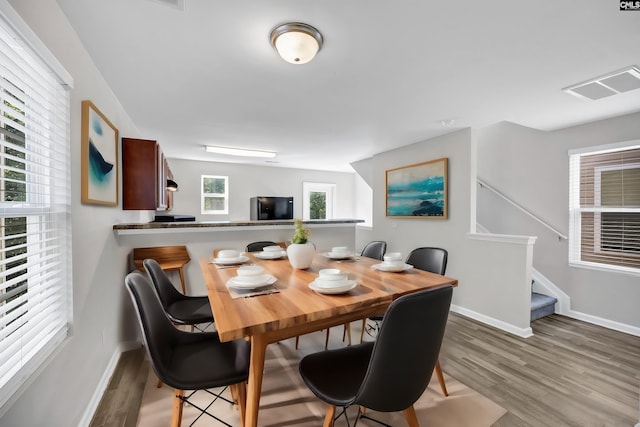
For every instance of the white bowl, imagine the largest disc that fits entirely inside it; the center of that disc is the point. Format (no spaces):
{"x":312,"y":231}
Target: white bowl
{"x":393,"y":263}
{"x":330,"y":283}
{"x":331,"y":274}
{"x":228,"y":253}
{"x":250,"y":270}
{"x":251,"y":280}
{"x":393,"y":256}
{"x":277,"y":249}
{"x":339,"y":250}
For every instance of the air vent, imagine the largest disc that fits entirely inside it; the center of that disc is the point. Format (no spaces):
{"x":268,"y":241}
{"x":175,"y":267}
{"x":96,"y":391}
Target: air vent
{"x":176,"y":4}
{"x":607,"y":85}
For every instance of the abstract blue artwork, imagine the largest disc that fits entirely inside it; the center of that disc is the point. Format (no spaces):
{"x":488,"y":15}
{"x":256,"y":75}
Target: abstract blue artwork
{"x":418,"y":191}
{"x":99,"y":157}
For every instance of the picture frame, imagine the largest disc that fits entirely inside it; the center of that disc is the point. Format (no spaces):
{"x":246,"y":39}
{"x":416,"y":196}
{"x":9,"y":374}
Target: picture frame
{"x":99,"y":157}
{"x":418,"y":190}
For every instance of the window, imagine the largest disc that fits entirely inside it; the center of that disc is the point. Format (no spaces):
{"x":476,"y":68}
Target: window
{"x":318,"y":200}
{"x":605,"y":208}
{"x":215,"y":195}
{"x":35,"y":265}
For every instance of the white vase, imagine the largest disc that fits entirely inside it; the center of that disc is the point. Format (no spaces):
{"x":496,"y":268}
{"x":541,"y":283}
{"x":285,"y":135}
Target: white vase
{"x":301,"y":255}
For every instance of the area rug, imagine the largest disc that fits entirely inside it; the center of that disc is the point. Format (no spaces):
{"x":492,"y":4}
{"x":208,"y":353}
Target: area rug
{"x":286,"y":401}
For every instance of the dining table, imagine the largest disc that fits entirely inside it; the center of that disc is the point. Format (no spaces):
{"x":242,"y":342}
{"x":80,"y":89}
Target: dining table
{"x":291,"y":308}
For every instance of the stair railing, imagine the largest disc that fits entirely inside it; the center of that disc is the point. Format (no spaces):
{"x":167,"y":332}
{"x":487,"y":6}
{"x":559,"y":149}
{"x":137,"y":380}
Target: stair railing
{"x":483,"y":184}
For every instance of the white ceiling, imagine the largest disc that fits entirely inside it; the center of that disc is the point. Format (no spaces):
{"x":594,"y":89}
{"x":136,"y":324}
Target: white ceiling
{"x":388,"y":74}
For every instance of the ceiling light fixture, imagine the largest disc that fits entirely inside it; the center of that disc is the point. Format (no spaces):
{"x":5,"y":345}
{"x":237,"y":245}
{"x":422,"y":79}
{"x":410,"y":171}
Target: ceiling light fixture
{"x":295,"y":42}
{"x":239,"y":151}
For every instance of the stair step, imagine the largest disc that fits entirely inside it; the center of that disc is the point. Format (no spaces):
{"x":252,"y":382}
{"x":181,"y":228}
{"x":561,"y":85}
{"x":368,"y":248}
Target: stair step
{"x":542,"y":305}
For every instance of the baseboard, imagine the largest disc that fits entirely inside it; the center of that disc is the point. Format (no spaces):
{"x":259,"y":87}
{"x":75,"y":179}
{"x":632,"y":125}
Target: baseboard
{"x":507,"y":327}
{"x":606,"y":323}
{"x":93,"y":404}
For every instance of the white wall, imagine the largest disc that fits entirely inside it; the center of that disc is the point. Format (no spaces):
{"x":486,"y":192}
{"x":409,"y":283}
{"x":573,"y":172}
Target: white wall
{"x":532,"y":168}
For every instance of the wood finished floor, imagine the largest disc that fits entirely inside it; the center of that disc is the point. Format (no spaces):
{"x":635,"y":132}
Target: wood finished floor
{"x":570,"y":373}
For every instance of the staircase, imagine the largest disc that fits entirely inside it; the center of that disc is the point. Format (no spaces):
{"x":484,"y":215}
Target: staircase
{"x":542,"y":305}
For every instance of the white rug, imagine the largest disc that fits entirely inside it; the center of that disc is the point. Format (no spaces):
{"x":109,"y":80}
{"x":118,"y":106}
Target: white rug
{"x":286,"y":401}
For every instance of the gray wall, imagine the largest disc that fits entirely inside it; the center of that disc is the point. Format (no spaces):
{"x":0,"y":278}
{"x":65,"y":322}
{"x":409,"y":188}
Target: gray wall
{"x":64,"y":393}
{"x":102,"y":320}
{"x":493,"y":274}
{"x":531,"y":167}
{"x":247,"y":181}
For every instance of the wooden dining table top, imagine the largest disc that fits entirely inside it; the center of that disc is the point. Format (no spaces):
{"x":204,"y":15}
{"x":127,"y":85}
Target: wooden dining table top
{"x":296,"y":309}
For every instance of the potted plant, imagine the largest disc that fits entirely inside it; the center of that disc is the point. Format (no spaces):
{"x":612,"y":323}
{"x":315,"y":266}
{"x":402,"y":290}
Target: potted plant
{"x":300,"y":252}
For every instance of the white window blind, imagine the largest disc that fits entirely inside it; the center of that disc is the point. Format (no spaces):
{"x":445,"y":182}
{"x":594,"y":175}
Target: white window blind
{"x":605,"y":208}
{"x":34,"y":211}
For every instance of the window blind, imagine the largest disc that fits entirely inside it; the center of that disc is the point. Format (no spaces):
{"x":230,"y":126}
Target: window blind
{"x":605,"y":208}
{"x":34,"y":211}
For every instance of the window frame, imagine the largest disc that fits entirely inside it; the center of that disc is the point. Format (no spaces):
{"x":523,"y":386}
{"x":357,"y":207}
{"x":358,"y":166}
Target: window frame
{"x":318,"y":187}
{"x":224,"y":196}
{"x":576,"y":212}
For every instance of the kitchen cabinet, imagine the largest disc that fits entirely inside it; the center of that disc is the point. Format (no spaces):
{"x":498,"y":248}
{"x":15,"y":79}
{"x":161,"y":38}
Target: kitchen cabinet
{"x":144,"y":176}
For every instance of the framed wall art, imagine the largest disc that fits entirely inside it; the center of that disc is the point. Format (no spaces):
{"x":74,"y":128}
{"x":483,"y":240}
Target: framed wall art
{"x":99,"y":154}
{"x":418,"y":191}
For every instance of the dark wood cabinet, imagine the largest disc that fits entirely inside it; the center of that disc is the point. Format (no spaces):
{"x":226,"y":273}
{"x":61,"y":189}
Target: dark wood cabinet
{"x":144,"y":176}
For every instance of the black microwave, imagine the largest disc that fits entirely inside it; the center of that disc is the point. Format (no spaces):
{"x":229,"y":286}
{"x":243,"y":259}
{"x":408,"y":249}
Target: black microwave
{"x":270,"y":208}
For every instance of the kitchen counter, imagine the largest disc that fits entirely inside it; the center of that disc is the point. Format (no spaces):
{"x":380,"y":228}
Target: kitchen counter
{"x":214,"y":226}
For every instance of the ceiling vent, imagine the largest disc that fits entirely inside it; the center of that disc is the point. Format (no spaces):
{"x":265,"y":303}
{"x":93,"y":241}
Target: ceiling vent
{"x":607,"y":85}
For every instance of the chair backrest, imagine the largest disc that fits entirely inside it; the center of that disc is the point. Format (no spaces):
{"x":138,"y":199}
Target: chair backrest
{"x":167,"y":293}
{"x":375,"y":249}
{"x":169,"y":255}
{"x":406,"y":350}
{"x":158,"y":332}
{"x":429,"y":259}
{"x":258,"y":246}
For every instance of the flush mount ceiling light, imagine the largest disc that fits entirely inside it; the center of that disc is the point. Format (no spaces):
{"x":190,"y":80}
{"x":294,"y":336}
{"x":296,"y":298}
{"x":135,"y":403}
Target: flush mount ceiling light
{"x":239,"y":151}
{"x":296,"y":42}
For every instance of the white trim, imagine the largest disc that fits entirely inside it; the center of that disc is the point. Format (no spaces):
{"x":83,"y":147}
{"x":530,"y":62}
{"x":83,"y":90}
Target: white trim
{"x":8,"y":13}
{"x":606,"y":323}
{"x":545,"y":286}
{"x":507,"y":327}
{"x":503,"y":238}
{"x":598,"y":149}
{"x":94,"y":402}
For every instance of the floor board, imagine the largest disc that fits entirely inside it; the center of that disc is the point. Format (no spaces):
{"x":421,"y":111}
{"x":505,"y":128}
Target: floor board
{"x":570,"y":373}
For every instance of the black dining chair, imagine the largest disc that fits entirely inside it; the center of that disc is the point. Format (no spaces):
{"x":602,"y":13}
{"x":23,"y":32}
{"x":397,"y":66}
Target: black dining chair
{"x":429,"y":259}
{"x":433,"y":260}
{"x":180,"y":308}
{"x":392,"y":372}
{"x":375,"y":250}
{"x":186,"y":360}
{"x":258,"y":246}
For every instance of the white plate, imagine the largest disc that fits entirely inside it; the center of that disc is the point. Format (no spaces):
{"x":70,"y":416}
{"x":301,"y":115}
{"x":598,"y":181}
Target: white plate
{"x":350,"y":284}
{"x":392,"y":268}
{"x":236,"y":282}
{"x":269,"y":255}
{"x":337,"y":256}
{"x":231,"y":261}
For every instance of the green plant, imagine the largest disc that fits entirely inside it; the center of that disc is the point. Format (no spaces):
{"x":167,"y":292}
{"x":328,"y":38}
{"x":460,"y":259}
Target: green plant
{"x":300,"y":234}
